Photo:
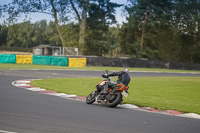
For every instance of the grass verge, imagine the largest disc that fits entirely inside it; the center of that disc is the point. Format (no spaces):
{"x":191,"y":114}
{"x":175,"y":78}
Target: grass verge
{"x":164,"y":93}
{"x":49,"y":67}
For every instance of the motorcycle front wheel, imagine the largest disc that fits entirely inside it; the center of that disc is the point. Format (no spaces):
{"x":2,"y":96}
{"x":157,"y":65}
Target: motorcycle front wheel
{"x":114,"y":99}
{"x":91,"y":97}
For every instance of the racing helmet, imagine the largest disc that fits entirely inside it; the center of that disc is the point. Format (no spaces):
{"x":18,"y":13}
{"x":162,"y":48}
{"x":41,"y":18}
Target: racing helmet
{"x":125,"y":70}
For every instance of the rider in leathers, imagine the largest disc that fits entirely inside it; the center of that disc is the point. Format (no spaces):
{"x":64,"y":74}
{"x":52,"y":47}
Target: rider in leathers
{"x":123,"y":78}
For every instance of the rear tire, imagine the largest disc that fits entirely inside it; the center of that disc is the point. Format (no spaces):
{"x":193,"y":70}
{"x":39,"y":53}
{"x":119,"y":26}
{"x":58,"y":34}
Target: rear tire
{"x":91,"y":97}
{"x":114,"y":100}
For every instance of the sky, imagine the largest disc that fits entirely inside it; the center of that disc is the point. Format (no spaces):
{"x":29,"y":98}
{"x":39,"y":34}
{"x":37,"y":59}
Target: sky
{"x":34,"y":17}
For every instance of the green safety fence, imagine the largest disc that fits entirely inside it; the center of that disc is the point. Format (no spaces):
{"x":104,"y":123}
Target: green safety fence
{"x":7,"y":58}
{"x":42,"y":60}
{"x":59,"y":61}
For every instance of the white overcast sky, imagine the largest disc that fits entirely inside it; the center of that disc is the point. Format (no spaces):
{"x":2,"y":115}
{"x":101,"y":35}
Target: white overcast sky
{"x":39,"y":16}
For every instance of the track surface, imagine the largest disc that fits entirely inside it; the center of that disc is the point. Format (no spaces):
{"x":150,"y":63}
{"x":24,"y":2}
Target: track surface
{"x":24,"y":111}
{"x":79,"y":73}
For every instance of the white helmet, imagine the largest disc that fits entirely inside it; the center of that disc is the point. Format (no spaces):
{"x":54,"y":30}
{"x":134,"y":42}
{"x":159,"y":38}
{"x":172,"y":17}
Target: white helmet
{"x":125,"y":70}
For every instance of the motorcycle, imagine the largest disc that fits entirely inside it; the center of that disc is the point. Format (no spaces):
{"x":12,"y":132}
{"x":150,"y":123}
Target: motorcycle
{"x":112,"y":98}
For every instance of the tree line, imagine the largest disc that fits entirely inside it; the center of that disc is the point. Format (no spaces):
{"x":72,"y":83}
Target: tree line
{"x":155,"y":29}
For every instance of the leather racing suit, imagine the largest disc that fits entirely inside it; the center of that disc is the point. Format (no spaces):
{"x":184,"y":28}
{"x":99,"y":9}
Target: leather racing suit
{"x":123,"y":78}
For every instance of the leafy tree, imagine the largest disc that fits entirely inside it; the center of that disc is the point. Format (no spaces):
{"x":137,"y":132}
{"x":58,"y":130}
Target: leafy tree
{"x":101,"y":15}
{"x":40,"y":33}
{"x":52,"y":36}
{"x":188,"y":28}
{"x":113,"y":40}
{"x":56,"y":8}
{"x":146,"y":17}
{"x":3,"y":34}
{"x":20,"y":35}
{"x":29,"y":35}
{"x":165,"y":29}
{"x":82,"y":5}
{"x":71,"y":34}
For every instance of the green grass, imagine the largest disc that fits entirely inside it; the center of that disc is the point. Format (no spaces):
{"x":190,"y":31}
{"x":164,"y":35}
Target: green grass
{"x":48,"y":67}
{"x":163,"y":93}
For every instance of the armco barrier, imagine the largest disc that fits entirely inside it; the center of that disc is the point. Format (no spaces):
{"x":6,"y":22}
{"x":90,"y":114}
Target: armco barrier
{"x":7,"y":58}
{"x":24,"y":59}
{"x":77,"y":62}
{"x":59,"y":61}
{"x":42,"y":60}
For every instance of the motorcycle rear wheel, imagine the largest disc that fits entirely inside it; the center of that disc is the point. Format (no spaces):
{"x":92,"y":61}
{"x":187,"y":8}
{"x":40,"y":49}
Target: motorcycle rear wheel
{"x":91,"y":97}
{"x":114,"y":100}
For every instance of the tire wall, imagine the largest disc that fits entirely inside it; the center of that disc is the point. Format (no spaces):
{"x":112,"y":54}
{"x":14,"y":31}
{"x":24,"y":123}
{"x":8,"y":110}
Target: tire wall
{"x":7,"y":58}
{"x":43,"y":60}
{"x":24,"y":59}
{"x":139,"y":63}
{"x":80,"y":61}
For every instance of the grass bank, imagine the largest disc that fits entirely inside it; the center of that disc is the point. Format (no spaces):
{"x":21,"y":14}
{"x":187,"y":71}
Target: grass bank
{"x":164,"y":93}
{"x":49,"y":67}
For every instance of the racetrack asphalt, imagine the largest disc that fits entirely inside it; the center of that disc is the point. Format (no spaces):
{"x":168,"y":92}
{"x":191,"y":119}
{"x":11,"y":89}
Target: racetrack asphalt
{"x":85,"y":73}
{"x":24,"y":111}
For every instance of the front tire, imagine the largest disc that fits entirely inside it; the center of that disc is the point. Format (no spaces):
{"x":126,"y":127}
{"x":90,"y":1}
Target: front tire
{"x":114,"y":99}
{"x":91,"y":97}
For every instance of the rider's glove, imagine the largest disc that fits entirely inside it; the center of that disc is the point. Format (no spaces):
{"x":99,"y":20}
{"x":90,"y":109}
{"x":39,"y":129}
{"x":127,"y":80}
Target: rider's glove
{"x":105,"y":75}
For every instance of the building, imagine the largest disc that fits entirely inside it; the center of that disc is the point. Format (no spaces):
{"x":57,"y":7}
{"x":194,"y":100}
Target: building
{"x":47,"y":50}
